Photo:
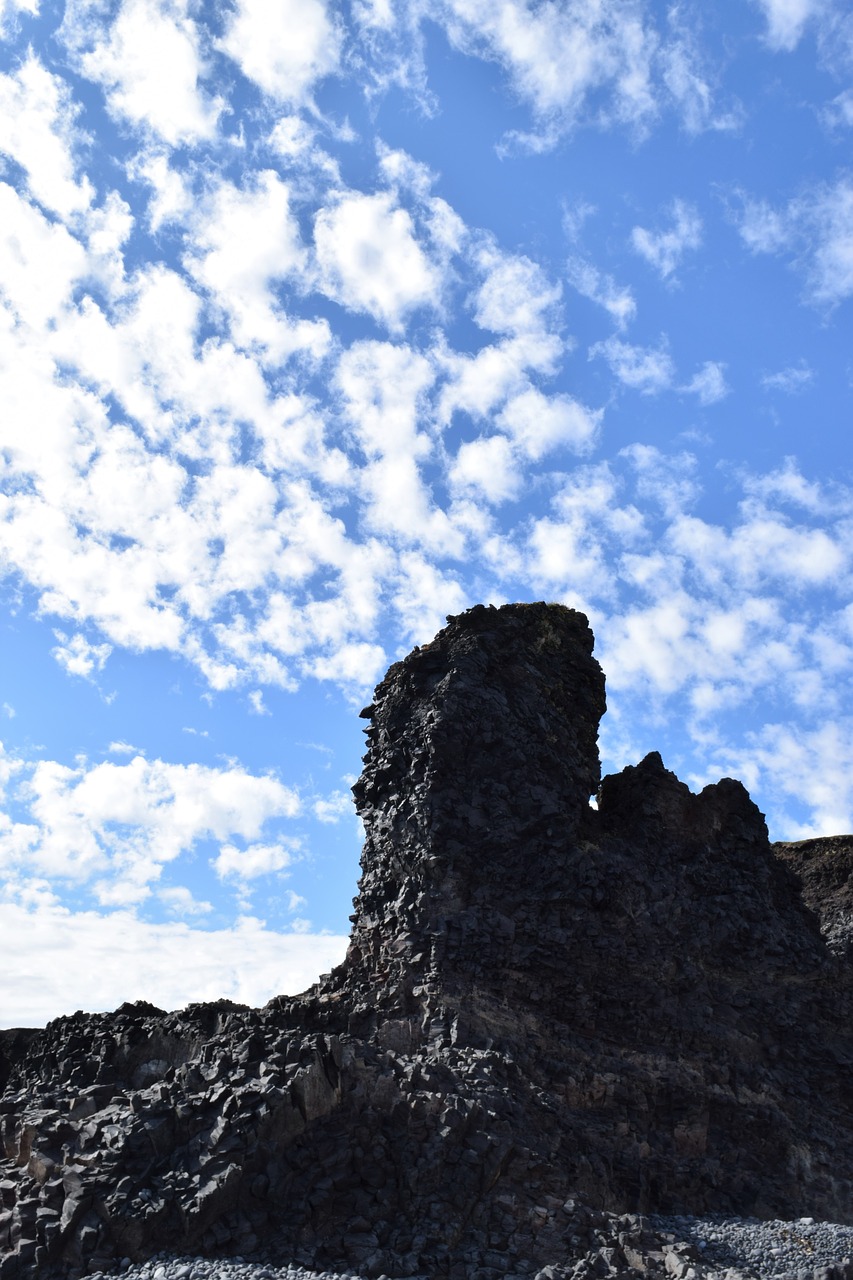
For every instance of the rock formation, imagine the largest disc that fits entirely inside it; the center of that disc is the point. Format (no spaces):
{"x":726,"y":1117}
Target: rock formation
{"x":825,"y":866}
{"x":549,"y":1014}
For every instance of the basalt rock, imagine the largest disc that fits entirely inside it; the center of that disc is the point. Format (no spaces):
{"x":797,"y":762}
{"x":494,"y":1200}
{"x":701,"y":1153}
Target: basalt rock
{"x":553,"y":1017}
{"x":825,"y":866}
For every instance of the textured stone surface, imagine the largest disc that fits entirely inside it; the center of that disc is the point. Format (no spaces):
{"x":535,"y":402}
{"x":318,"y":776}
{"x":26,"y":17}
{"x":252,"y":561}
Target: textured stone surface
{"x":550,"y":1014}
{"x":825,"y":866}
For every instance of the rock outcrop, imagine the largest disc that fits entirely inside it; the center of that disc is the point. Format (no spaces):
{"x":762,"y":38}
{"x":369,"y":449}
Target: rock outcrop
{"x":549,"y":1014}
{"x":825,"y":867}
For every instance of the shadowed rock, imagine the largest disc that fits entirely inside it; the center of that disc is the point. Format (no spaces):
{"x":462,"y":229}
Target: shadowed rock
{"x":825,"y":866}
{"x":547,"y":1011}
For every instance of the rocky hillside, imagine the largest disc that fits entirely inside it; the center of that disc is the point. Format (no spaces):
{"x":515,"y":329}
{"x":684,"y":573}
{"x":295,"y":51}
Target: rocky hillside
{"x":548,"y":1012}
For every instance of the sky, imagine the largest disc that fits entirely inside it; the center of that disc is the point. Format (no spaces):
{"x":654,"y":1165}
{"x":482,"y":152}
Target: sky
{"x":322,"y":321}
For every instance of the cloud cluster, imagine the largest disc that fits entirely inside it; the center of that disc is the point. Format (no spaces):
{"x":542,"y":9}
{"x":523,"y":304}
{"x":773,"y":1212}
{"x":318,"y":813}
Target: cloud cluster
{"x":814,"y":230}
{"x":272,"y":406}
{"x":195,"y":512}
{"x":111,"y":829}
{"x":572,"y":64}
{"x":198,"y":494}
{"x":117,"y":957}
{"x":664,"y":250}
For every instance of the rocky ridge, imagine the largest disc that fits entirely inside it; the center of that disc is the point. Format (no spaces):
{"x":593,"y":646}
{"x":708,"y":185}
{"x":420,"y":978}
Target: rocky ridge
{"x":552,"y":1019}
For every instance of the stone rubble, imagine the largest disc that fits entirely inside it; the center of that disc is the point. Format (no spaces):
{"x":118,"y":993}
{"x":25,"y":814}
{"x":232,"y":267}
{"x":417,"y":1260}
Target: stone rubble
{"x":681,"y":1248}
{"x":552,"y":1019}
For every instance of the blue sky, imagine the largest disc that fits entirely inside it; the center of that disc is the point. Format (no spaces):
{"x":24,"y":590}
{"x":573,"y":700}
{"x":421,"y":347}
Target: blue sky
{"x":321,"y":321}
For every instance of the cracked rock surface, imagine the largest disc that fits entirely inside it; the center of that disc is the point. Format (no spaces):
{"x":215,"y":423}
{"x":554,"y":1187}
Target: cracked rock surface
{"x":551,"y":1018}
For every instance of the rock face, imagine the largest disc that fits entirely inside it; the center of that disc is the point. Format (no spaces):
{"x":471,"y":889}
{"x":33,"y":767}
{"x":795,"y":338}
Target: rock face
{"x":825,"y":866}
{"x":545,"y":1006}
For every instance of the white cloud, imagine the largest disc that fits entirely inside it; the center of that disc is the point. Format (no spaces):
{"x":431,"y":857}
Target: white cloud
{"x":257,"y":704}
{"x":253,"y":861}
{"x":601,"y":288}
{"x":489,"y":466}
{"x":789,"y":485}
{"x":107,"y":230}
{"x":40,"y":263}
{"x":816,"y":228}
{"x":664,"y":250}
{"x":375,"y":13}
{"x":9,"y":10}
{"x":538,"y":423}
{"x":40,"y":133}
{"x":668,"y":482}
{"x":804,"y":765}
{"x":763,"y":229}
{"x":791,"y":380}
{"x":78,"y":656}
{"x":516,"y":300}
{"x":115,"y":957}
{"x":565,"y":558}
{"x":762,"y":547}
{"x":370,"y":259}
{"x":243,"y":240}
{"x":591,"y":496}
{"x":642,"y":369}
{"x":292,"y":137}
{"x":688,"y":83}
{"x":786,"y":20}
{"x":112,"y":827}
{"x":516,"y":297}
{"x":357,"y":665}
{"x":558,"y":57}
{"x":383,"y":386}
{"x":568,"y":553}
{"x":652,"y":643}
{"x":839,"y":112}
{"x":478,"y":384}
{"x":333,"y":807}
{"x":424,"y":596}
{"x":179,"y":901}
{"x":150,"y":66}
{"x":575,"y":214}
{"x":572,"y":64}
{"x":708,"y":384}
{"x":284,"y":48}
{"x":827,"y":218}
{"x":171,"y":199}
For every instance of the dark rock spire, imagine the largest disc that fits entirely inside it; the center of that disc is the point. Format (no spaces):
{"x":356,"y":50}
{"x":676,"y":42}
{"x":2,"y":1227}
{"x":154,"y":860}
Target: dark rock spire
{"x":481,"y":760}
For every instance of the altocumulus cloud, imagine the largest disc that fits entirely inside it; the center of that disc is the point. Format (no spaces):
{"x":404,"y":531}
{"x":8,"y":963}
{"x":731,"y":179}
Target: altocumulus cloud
{"x":318,"y":326}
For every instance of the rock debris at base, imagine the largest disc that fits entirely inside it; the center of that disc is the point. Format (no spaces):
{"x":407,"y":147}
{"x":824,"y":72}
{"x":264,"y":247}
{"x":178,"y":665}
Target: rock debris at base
{"x":713,"y":1248}
{"x":552,"y":1018}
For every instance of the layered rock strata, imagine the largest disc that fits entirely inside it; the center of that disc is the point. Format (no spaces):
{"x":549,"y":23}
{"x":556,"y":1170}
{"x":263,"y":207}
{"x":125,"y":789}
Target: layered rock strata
{"x":550,"y":1013}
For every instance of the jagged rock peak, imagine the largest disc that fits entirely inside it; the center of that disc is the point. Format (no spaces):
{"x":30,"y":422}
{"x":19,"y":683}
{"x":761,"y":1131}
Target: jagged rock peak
{"x":482,"y":755}
{"x":498,"y":689}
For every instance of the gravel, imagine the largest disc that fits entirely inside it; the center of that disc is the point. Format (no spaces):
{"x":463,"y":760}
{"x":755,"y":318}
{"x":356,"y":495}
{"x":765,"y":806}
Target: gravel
{"x":767,"y":1249}
{"x":802,"y":1249}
